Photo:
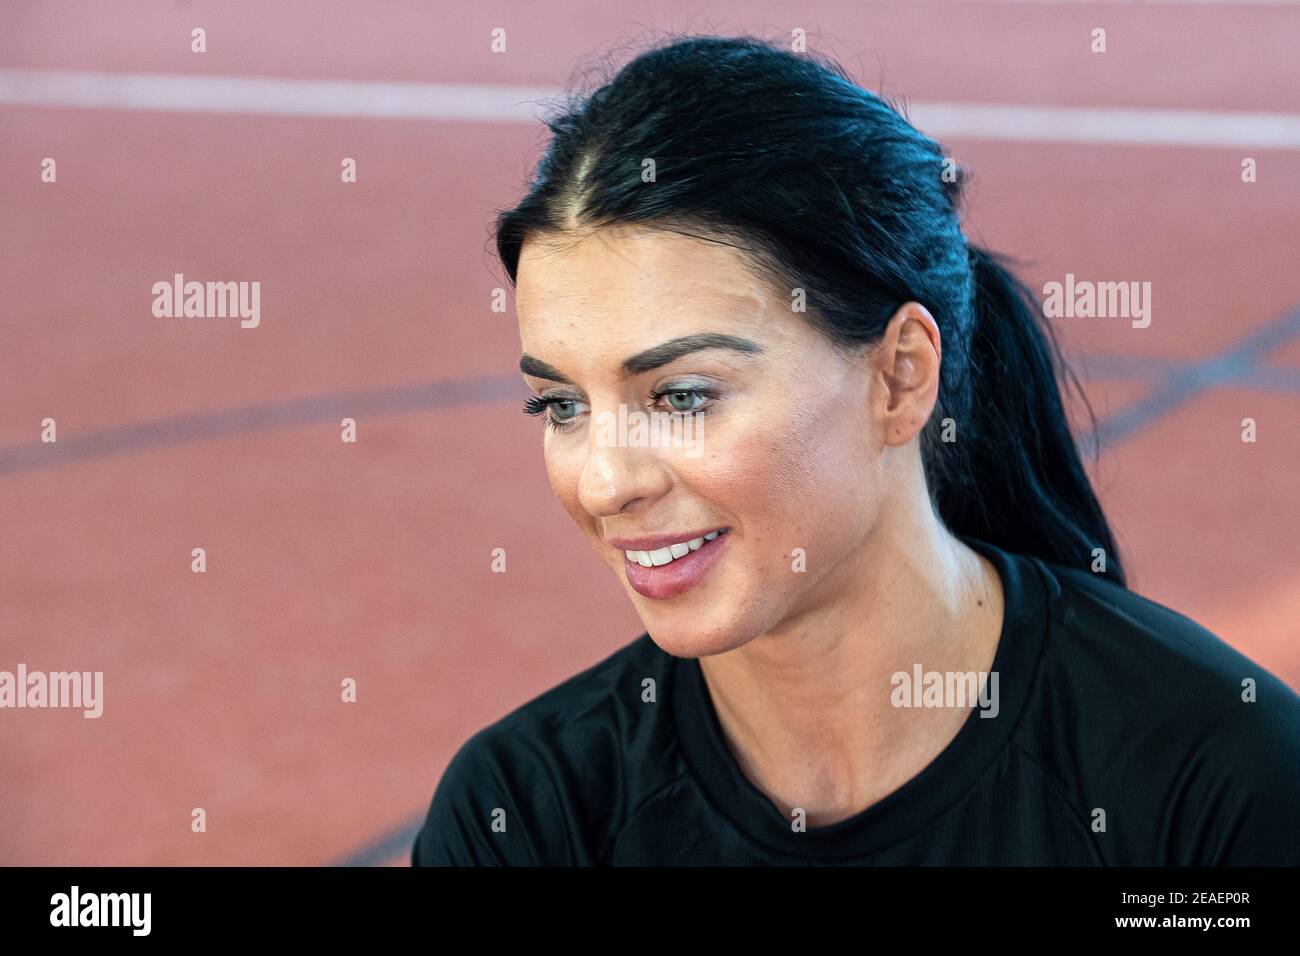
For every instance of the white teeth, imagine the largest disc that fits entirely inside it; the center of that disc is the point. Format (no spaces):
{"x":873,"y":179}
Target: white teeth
{"x":661,"y":556}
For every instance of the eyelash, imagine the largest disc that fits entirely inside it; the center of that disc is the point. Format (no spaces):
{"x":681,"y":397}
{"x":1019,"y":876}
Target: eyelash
{"x":538,"y":405}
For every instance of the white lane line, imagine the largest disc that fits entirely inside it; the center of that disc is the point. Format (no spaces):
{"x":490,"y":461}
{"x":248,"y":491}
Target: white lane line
{"x":202,"y":93}
{"x":488,"y":103}
{"x":1085,"y":124}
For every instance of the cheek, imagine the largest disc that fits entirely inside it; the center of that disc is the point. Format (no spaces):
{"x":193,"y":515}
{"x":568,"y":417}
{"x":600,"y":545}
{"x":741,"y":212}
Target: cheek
{"x":563,"y":472}
{"x":810,"y":481}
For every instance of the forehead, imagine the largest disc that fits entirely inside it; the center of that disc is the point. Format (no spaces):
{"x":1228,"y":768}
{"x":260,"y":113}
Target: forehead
{"x":621,"y":267}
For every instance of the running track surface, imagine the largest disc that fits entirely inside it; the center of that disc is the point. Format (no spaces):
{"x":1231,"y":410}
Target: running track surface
{"x":328,"y":560}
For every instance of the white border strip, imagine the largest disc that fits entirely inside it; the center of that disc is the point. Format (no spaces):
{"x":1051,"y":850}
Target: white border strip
{"x":481,"y":102}
{"x":1170,"y":3}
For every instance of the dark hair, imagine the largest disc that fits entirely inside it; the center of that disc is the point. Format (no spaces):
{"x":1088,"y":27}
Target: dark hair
{"x":827,"y":188}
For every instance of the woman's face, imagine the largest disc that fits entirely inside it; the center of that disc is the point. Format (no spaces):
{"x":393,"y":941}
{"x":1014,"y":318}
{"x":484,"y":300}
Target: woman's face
{"x":787,"y":456}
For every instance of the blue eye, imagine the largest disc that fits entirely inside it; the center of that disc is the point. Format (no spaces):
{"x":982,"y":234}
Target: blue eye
{"x":560,"y":412}
{"x":563,"y":413}
{"x":685,"y":401}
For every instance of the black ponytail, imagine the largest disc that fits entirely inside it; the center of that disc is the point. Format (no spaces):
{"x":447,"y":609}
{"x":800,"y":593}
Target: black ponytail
{"x":1024,"y":487}
{"x":827,"y":188}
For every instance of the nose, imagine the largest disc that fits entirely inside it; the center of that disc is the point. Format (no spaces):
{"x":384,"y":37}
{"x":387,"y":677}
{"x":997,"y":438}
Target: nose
{"x":618,"y":477}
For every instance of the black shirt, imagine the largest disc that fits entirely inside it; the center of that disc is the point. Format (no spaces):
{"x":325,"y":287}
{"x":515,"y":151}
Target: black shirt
{"x":1121,"y":738}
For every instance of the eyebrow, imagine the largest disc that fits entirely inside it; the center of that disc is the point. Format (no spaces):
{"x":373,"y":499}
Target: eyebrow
{"x":651,"y":358}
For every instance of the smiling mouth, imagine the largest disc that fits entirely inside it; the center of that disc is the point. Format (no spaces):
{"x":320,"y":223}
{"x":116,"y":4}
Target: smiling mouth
{"x":661,"y":556}
{"x":672,"y":570}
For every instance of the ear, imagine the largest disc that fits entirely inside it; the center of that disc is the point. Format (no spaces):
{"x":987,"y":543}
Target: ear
{"x":907,"y":360}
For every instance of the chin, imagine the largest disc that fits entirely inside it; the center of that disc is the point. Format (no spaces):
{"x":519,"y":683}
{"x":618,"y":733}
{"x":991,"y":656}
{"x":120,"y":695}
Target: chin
{"x":686,"y":635}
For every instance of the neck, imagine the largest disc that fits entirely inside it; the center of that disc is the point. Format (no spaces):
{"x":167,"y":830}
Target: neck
{"x":806,"y":707}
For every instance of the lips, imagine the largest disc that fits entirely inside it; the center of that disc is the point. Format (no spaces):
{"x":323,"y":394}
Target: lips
{"x":674,"y":565}
{"x":661,"y":556}
{"x":651,"y":542}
